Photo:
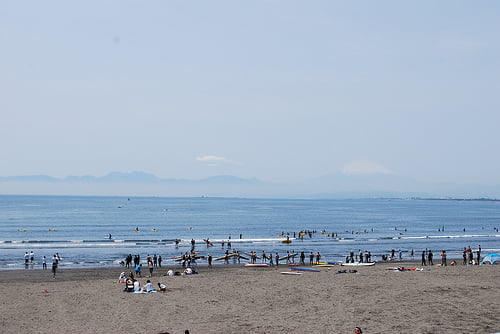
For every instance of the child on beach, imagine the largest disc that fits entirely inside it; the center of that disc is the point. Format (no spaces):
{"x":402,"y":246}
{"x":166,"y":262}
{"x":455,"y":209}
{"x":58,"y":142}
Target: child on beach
{"x":138,"y":270}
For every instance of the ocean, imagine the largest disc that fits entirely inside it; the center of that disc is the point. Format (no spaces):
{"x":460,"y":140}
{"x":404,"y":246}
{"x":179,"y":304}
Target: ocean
{"x":78,"y":227}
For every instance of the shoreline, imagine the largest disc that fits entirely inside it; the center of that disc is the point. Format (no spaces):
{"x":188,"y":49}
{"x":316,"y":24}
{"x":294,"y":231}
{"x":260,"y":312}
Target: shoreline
{"x":238,"y":299}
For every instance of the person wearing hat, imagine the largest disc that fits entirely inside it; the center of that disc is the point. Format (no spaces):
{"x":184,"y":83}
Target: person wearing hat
{"x":358,"y":330}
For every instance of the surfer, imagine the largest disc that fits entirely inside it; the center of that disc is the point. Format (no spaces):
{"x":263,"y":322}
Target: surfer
{"x":110,"y":236}
{"x":137,"y":229}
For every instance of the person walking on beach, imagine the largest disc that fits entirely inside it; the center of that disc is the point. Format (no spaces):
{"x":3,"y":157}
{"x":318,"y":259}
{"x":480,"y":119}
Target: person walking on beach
{"x":138,"y":270}
{"x":151,"y":268}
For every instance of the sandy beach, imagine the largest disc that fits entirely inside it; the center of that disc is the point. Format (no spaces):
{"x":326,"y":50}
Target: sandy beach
{"x":453,"y":299}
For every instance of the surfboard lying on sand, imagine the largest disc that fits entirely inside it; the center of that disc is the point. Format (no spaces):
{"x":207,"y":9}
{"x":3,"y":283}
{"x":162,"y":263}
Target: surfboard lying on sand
{"x":290,"y":273}
{"x":358,"y":264}
{"x":304,"y":269}
{"x":256,"y":265}
{"x":323,"y":265}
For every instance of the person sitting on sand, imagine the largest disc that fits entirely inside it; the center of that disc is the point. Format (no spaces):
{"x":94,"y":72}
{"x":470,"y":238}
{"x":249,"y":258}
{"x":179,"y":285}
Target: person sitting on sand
{"x":129,"y":285}
{"x":170,"y":272}
{"x":137,"y":286}
{"x":148,"y":287}
{"x":122,"y":277}
{"x":188,"y":271}
{"x":162,"y":287}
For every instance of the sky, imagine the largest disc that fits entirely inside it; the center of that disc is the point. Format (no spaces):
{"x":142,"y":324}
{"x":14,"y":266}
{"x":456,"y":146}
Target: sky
{"x":277,"y":90}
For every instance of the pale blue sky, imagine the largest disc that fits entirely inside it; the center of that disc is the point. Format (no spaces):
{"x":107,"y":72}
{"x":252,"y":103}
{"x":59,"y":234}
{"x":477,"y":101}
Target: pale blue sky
{"x":278,"y":90}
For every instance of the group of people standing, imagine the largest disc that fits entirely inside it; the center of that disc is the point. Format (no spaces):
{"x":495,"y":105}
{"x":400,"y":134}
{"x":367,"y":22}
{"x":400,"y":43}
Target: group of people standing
{"x":29,"y":260}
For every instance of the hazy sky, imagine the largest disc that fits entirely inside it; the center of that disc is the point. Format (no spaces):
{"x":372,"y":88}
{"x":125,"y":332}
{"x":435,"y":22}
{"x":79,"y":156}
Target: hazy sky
{"x":278,"y":90}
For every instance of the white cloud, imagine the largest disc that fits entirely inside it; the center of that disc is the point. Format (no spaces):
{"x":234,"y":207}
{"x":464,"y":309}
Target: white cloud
{"x":365,"y":167}
{"x":213,"y":160}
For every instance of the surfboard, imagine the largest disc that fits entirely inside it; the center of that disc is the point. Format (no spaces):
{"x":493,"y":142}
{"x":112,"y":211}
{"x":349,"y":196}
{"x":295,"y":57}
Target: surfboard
{"x":209,"y":242}
{"x":22,"y":230}
{"x":304,"y":269}
{"x":250,"y":254}
{"x":154,"y":230}
{"x":290,"y":273}
{"x":223,"y":257}
{"x":256,"y":265}
{"x":325,"y":265}
{"x":286,"y":241}
{"x":52,"y":230}
{"x":356,"y":264}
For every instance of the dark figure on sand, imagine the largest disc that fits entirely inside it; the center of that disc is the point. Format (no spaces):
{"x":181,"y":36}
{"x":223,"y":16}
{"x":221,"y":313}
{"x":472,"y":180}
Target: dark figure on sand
{"x":429,"y":258}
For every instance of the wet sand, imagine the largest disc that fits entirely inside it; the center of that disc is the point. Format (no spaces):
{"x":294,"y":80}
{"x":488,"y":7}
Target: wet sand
{"x":237,"y":299}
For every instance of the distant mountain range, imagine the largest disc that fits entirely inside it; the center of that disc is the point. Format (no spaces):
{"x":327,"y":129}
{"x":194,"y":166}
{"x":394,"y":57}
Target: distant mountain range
{"x":132,"y":177}
{"x":336,"y":185}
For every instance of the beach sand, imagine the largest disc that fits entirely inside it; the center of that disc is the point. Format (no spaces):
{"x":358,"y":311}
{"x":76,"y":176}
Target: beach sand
{"x":459,"y":299}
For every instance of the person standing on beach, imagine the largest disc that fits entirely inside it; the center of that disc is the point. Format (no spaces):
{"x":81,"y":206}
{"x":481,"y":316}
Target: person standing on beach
{"x":311,"y":258}
{"x":151,"y":268}
{"x":429,"y":258}
{"x":277,"y":257}
{"x":478,"y":254}
{"x":44,"y":262}
{"x":318,"y":257}
{"x":32,"y":257}
{"x":443,"y":258}
{"x":55,"y":262}
{"x":302,"y":258}
{"x":423,"y":258}
{"x":26,"y":259}
{"x":209,"y":259}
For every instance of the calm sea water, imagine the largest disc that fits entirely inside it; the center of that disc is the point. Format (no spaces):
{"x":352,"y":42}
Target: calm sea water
{"x":78,"y":228}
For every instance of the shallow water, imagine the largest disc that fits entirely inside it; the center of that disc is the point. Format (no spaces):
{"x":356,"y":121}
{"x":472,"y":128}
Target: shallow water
{"x":78,"y":228}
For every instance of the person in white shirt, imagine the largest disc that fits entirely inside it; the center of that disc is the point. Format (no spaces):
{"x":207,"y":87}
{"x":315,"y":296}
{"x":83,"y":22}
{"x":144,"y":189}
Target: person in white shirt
{"x":148,"y":287}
